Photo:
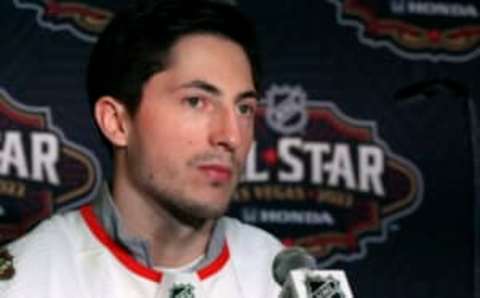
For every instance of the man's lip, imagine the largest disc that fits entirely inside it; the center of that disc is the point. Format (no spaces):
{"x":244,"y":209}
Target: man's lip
{"x":218,"y":173}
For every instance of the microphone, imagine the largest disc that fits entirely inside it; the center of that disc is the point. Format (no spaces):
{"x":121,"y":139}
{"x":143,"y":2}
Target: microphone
{"x":290,"y":259}
{"x":295,"y":270}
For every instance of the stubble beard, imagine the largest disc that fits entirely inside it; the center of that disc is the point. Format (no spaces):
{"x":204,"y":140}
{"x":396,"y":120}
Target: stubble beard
{"x":185,"y":208}
{"x":168,"y":192}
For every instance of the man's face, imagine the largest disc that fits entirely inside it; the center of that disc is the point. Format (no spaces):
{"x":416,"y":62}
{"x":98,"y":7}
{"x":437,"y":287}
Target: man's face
{"x":191,"y":134}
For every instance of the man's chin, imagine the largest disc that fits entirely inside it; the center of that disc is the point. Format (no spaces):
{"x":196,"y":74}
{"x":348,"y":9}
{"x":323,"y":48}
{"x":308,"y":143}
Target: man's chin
{"x":196,"y":214}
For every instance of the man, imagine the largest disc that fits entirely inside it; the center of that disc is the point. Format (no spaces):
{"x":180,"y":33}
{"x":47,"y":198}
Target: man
{"x":174,"y":88}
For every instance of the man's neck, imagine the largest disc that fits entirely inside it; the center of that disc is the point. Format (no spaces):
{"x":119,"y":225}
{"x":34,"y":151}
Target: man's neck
{"x":171,"y":242}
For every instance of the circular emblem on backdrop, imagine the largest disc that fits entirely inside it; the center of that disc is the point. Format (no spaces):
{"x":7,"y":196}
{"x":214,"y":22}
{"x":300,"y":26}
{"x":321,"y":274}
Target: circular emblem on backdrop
{"x":286,"y":109}
{"x":41,"y":170}
{"x":332,"y":189}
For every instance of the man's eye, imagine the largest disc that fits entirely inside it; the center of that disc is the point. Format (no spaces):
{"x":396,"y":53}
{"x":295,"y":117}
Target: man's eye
{"x":246,"y":109}
{"x":194,"y":101}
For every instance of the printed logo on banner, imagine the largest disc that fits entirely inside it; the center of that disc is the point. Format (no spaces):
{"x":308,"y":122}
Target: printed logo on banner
{"x":83,"y":20}
{"x":331,"y":184}
{"x":40,"y":169}
{"x":182,"y":291}
{"x":319,"y":287}
{"x":416,"y":29}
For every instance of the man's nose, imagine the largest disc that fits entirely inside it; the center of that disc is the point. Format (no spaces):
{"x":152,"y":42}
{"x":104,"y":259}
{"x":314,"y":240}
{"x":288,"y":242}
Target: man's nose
{"x":226,"y":130}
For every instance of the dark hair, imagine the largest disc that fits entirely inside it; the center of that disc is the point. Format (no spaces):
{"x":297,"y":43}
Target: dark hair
{"x":137,"y":43}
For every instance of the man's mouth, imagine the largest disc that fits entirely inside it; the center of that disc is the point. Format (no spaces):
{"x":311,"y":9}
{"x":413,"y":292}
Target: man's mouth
{"x":217,"y":173}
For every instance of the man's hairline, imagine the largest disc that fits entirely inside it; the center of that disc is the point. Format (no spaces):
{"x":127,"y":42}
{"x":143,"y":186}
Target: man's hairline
{"x":167,"y":63}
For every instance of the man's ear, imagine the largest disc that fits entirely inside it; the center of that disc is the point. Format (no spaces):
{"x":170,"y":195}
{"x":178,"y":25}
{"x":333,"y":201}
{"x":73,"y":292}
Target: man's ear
{"x":113,"y":120}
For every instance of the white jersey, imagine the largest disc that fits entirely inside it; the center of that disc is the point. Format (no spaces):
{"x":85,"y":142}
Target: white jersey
{"x":71,"y":255}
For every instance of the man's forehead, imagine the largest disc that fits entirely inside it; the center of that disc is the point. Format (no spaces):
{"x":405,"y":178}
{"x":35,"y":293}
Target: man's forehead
{"x":210,"y":63}
{"x":216,"y":90}
{"x":191,"y":45}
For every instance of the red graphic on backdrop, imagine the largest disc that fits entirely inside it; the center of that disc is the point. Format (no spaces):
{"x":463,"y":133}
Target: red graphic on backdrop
{"x":332,"y":186}
{"x":81,"y":19}
{"x":40,"y":169}
{"x":416,"y":29}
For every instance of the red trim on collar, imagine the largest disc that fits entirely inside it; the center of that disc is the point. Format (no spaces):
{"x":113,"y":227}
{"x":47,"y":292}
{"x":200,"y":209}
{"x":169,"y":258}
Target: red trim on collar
{"x":125,"y":258}
{"x":216,"y":265}
{"x":120,"y":253}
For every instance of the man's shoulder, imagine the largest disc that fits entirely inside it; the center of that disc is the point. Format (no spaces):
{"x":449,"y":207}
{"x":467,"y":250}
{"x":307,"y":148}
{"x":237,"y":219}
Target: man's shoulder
{"x":35,"y":255}
{"x":56,"y":230}
{"x":248,"y":233}
{"x":253,"y":251}
{"x":247,"y":240}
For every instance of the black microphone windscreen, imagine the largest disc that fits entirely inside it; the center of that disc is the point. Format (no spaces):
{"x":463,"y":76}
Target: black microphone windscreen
{"x":290,"y":259}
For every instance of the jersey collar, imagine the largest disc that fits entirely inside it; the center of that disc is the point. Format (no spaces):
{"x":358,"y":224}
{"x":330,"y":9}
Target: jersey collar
{"x":104,"y":221}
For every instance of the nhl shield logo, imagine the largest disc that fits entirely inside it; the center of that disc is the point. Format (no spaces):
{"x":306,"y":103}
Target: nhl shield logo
{"x":319,"y":179}
{"x":327,"y":287}
{"x":182,"y":291}
{"x":286,"y":109}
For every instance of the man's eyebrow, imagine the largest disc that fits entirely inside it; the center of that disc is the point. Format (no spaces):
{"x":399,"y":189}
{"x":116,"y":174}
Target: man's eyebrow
{"x":212,"y":89}
{"x":205,"y":86}
{"x":248,"y":94}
